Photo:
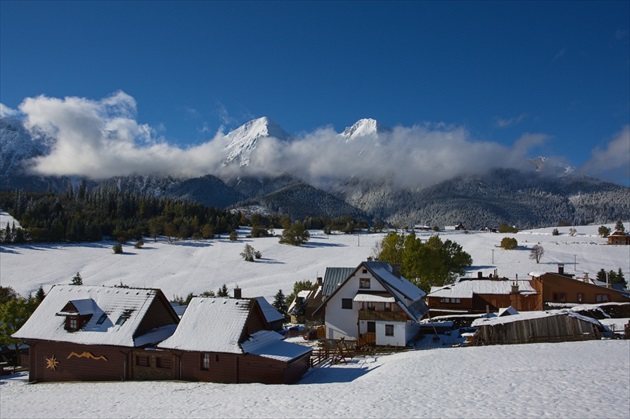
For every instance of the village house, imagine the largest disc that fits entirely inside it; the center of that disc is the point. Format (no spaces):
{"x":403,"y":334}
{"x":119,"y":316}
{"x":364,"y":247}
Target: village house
{"x":88,"y":333}
{"x":305,"y":303}
{"x":374,"y":305}
{"x":94,"y":334}
{"x":562,"y":288}
{"x":481,"y":295}
{"x":541,"y":291}
{"x":619,"y":237}
{"x":228,"y":340}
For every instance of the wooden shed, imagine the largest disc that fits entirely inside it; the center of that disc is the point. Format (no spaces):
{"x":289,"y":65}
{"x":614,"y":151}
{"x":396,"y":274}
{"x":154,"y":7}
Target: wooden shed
{"x":536,"y":326}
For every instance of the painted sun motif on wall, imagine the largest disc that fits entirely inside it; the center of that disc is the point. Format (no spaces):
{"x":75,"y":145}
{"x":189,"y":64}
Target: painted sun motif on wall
{"x":52,"y":363}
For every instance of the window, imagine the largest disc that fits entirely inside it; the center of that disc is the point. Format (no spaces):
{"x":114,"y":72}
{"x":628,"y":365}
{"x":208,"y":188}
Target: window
{"x":371,"y":327}
{"x":558,"y":297}
{"x":364,"y":271}
{"x":602,"y":298}
{"x":73,"y":323}
{"x":364,"y":283}
{"x":205,"y":362}
{"x":388,"y":306}
{"x":371,"y":306}
{"x":389,"y":330}
{"x":163,"y":363}
{"x":580,"y":297}
{"x":102,"y":319}
{"x":346,"y":303}
{"x":121,"y":320}
{"x":142,"y":361}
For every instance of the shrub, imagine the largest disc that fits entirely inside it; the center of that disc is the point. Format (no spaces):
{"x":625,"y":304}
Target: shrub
{"x":233,"y":236}
{"x":604,"y":231}
{"x":555,"y":232}
{"x":509,"y":243}
{"x":117,"y":248}
{"x":139,"y":244}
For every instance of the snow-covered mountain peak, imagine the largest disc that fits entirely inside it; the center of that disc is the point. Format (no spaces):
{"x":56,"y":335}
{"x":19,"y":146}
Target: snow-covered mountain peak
{"x":366,"y":127}
{"x":244,"y":139}
{"x":17,"y":145}
{"x":550,"y":166}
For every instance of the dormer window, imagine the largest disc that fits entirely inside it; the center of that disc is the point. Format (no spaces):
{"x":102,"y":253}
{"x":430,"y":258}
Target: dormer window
{"x":121,"y":320}
{"x":77,"y":313}
{"x":72,"y":323}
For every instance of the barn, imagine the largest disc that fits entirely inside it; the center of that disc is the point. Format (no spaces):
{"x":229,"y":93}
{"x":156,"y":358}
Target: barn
{"x":536,"y":326}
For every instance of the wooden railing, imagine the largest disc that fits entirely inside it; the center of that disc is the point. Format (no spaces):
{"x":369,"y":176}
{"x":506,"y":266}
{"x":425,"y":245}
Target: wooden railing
{"x":394,"y":316}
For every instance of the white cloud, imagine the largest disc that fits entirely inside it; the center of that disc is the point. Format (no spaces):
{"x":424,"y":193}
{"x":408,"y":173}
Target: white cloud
{"x":508,"y":122}
{"x":5,"y":111}
{"x":102,"y":138}
{"x":612,"y":161}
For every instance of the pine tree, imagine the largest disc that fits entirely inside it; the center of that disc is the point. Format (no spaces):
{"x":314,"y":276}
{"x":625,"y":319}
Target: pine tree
{"x":77,"y":280}
{"x":619,"y":226}
{"x":223,"y":291}
{"x":280,"y":302}
{"x":40,"y":295}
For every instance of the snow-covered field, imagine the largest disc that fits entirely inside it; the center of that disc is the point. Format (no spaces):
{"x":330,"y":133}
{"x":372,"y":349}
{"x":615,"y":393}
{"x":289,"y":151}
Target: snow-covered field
{"x":578,"y":380}
{"x":583,"y":379}
{"x":182,"y":267}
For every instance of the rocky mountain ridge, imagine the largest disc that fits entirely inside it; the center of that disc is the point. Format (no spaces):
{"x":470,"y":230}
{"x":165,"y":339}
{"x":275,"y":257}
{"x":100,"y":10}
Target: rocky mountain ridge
{"x":548,"y":194}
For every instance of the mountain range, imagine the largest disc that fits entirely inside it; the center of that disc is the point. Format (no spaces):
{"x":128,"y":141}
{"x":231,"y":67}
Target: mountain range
{"x":542,"y":192}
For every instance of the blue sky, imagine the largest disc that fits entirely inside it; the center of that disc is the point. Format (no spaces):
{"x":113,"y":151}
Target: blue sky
{"x":497,"y":70}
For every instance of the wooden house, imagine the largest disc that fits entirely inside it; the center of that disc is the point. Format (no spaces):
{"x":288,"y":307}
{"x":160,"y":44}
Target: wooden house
{"x":560,"y":288}
{"x":229,"y":341}
{"x":482,"y":294}
{"x":374,"y":305}
{"x":303,"y":307}
{"x":536,"y":326}
{"x":619,"y":237}
{"x":95,"y":333}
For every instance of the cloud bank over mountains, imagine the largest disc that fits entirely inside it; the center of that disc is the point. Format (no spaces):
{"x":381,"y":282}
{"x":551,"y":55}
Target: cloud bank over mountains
{"x":102,"y":138}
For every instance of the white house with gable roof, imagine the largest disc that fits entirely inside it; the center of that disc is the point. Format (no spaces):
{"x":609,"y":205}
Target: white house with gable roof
{"x":374,"y":305}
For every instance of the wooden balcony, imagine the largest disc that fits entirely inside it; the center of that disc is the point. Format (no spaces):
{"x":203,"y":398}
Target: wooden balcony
{"x":392,"y":316}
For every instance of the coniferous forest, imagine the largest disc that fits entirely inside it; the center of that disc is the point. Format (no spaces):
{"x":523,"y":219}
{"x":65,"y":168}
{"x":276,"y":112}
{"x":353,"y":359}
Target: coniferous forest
{"x":107,"y":212}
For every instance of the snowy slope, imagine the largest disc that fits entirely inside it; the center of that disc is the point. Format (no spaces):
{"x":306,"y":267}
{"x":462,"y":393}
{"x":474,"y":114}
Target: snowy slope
{"x":195,"y":266}
{"x":17,"y":146}
{"x":570,"y":380}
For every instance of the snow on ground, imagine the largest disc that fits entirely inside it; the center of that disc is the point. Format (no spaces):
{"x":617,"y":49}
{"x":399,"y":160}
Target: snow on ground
{"x":573,"y":379}
{"x":186,"y":266}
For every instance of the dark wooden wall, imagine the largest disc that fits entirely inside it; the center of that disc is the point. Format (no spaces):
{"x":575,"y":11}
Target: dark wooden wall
{"x":77,"y":362}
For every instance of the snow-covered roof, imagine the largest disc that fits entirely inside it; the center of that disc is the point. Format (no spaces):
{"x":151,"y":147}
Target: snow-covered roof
{"x":269,"y":311}
{"x":530,"y":315}
{"x":210,"y":325}
{"x":269,"y":344}
{"x":372,"y":298}
{"x":116,"y":315}
{"x":385,"y":272}
{"x":466,"y":289}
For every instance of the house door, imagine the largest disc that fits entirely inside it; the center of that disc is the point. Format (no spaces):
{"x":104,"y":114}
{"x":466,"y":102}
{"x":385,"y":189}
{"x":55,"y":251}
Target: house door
{"x":371,"y":327}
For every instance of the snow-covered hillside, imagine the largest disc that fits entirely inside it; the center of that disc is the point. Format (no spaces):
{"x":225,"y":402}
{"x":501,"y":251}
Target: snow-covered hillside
{"x":182,"y":267}
{"x":578,"y":379}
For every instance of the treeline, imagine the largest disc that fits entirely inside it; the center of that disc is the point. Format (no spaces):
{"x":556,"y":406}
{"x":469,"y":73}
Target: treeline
{"x":105,"y":211}
{"x":82,"y":215}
